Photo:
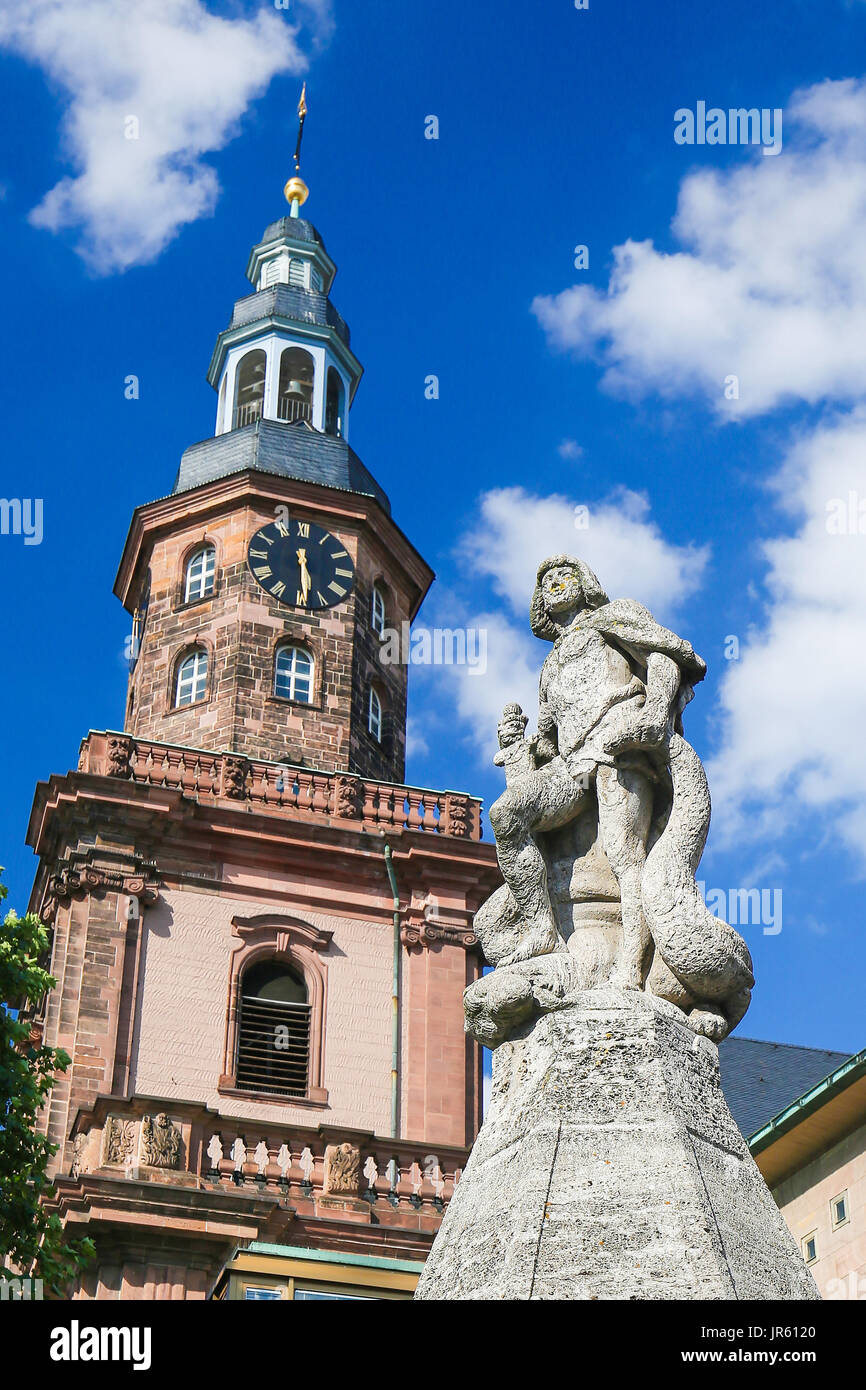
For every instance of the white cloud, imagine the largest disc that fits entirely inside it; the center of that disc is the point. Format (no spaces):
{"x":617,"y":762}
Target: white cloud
{"x":512,"y":534}
{"x":620,"y":542}
{"x":186,"y":75}
{"x":569,"y":449}
{"x":770,"y":285}
{"x":793,"y":713}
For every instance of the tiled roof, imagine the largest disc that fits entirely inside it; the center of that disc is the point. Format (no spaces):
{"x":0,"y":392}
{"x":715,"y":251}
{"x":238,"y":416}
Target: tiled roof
{"x":289,"y":302}
{"x":761,"y":1078}
{"x":295,"y":227}
{"x":291,"y":451}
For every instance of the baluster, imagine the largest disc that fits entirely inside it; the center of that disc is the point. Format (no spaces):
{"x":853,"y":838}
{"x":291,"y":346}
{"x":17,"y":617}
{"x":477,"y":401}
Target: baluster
{"x":403,"y":1190}
{"x":188,"y":770}
{"x":413,"y":820}
{"x":215,"y":1154}
{"x":239,"y":1158}
{"x":296,"y":1175}
{"x":385,"y":813}
{"x":369,"y":811}
{"x":371,"y":1173}
{"x":321,"y":795}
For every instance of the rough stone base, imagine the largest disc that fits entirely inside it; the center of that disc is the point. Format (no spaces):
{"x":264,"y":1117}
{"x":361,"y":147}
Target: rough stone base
{"x":609,"y":1167}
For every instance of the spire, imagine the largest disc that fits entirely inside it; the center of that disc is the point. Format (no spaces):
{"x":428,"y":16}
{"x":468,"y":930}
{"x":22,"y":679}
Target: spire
{"x":296,"y":190}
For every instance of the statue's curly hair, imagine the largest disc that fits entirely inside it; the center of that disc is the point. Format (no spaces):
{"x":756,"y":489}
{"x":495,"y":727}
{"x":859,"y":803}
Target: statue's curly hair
{"x":594,"y":596}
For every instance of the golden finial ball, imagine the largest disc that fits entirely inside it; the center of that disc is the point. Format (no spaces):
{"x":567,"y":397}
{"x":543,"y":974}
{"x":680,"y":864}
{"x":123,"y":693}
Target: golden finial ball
{"x":296,"y":191}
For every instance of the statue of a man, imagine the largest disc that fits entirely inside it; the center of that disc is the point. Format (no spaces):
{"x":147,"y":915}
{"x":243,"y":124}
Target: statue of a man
{"x":610,"y":746}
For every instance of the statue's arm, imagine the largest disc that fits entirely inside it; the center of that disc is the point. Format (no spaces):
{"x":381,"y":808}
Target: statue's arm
{"x":647,"y":725}
{"x":662,"y":684}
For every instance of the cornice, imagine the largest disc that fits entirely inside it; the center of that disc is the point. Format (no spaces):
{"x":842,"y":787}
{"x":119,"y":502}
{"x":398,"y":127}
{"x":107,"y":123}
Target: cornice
{"x":153,"y":519}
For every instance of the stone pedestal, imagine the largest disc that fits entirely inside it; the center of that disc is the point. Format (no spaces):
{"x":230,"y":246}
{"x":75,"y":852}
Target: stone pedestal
{"x":609,"y":1167}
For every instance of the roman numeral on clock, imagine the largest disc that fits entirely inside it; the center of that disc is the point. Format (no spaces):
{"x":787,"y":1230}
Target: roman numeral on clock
{"x":262,"y":571}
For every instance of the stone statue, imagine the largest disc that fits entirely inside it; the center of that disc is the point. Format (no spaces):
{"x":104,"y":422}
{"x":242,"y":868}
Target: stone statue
{"x":602,"y":825}
{"x":608,"y":1165}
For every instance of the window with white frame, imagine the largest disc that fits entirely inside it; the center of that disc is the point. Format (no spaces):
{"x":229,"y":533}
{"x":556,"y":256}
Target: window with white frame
{"x":374,"y":716}
{"x":377,"y":610}
{"x":293,"y":674}
{"x":839,"y":1210}
{"x":200,"y":572}
{"x":809,"y":1245}
{"x":191,"y":685}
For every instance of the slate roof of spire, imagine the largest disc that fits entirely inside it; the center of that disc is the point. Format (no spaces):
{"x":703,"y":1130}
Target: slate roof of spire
{"x":290,"y":451}
{"x":761,"y":1078}
{"x":295,"y":227}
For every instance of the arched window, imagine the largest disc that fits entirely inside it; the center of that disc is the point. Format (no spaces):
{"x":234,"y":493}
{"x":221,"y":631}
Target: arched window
{"x":191,"y":684}
{"x":293,"y":674}
{"x":249,"y":388}
{"x":273,"y":272}
{"x":377,"y":611}
{"x":296,"y":385}
{"x":273,"y":1051}
{"x":334,"y":403}
{"x":298,"y":272}
{"x":200,"y":571}
{"x":374,"y":716}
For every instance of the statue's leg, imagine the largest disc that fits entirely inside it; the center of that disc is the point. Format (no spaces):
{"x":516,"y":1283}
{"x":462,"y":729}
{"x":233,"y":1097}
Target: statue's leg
{"x":542,"y":800}
{"x":624,"y":813}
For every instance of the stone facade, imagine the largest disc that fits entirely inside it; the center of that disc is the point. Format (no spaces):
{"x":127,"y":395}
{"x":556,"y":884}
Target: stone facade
{"x":240,"y":626}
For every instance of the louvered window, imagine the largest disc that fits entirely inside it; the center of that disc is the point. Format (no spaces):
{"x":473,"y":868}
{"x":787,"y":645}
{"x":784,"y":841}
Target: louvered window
{"x":273,"y":1031}
{"x":273,"y":272}
{"x":298,"y":273}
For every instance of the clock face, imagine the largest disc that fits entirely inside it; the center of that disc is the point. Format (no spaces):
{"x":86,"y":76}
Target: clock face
{"x":300,"y":564}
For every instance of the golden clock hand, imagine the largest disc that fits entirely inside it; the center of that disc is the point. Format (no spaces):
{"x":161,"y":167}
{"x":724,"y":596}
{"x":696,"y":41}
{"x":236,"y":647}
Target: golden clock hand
{"x":305,"y":573}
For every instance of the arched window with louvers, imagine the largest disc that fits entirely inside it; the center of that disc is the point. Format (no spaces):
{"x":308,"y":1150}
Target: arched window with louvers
{"x":273,"y":1036}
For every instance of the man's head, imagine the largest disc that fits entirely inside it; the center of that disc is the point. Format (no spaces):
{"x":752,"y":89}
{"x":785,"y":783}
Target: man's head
{"x":563,"y":586}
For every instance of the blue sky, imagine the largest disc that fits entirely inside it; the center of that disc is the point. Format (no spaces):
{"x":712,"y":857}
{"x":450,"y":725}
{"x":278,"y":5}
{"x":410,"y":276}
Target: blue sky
{"x":601,"y":387}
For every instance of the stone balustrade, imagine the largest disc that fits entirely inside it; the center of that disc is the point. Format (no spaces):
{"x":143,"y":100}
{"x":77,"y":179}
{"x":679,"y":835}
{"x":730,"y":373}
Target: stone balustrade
{"x":326,"y":1170}
{"x":277,"y":787}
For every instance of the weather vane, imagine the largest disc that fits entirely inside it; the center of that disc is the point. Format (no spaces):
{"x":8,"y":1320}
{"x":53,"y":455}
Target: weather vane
{"x":296,"y":190}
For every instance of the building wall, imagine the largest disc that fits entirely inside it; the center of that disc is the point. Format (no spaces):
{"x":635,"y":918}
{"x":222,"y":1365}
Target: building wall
{"x":180,"y":1032}
{"x":805,"y":1198}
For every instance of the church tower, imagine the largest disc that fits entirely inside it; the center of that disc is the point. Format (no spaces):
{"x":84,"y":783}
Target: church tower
{"x":260,"y":933}
{"x":260,"y":588}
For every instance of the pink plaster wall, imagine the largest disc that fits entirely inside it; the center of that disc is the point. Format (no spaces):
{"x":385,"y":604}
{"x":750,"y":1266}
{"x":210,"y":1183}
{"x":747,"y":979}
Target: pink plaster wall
{"x":180,"y":1030}
{"x":804,"y":1199}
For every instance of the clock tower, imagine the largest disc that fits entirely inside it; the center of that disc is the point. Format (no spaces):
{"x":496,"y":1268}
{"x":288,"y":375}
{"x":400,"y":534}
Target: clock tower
{"x":260,"y":933}
{"x":261,"y":586}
